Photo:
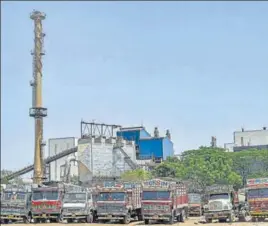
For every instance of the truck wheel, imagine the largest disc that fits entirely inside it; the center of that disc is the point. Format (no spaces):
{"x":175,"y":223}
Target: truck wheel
{"x":232,"y":217}
{"x":182,"y":216}
{"x":140,"y":217}
{"x":89,"y":218}
{"x":126,"y":219}
{"x":208,"y":220}
{"x":146,"y":221}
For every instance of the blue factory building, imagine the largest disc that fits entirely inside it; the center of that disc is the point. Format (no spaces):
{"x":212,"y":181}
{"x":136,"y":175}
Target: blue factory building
{"x":133,"y":134}
{"x":147,"y":146}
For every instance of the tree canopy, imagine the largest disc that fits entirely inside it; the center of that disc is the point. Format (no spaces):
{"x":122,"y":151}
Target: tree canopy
{"x":206,"y":166}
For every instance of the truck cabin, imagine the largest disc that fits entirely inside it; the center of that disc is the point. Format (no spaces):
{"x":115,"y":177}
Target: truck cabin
{"x":194,"y":198}
{"x":257,"y":192}
{"x":45,"y":193}
{"x":222,"y":195}
{"x":76,"y":197}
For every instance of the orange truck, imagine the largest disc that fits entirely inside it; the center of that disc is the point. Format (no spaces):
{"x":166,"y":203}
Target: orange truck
{"x":257,"y":197}
{"x":164,"y":201}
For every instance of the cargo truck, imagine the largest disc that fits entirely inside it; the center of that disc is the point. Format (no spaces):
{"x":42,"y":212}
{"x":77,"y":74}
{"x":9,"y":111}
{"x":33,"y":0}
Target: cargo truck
{"x":16,"y":203}
{"x":47,"y":201}
{"x":257,"y":196}
{"x":195,"y":204}
{"x":224,"y":204}
{"x":78,"y":205}
{"x":164,"y":200}
{"x":119,"y":201}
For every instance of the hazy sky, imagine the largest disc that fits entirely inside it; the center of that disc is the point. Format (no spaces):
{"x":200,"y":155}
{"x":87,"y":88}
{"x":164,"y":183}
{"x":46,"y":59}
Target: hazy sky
{"x":197,"y":68}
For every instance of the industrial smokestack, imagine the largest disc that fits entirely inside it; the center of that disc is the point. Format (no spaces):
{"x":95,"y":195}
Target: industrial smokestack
{"x":168,"y":135}
{"x":37,"y":111}
{"x":156,"y":132}
{"x":213,"y":142}
{"x":264,"y":128}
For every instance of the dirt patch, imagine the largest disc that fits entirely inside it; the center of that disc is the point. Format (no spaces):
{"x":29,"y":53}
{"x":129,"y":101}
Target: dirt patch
{"x":189,"y":222}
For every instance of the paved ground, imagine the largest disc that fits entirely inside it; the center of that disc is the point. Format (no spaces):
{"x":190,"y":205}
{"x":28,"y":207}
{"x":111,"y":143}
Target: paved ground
{"x":189,"y":222}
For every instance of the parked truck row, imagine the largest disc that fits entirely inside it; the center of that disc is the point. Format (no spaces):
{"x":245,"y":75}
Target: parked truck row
{"x":164,"y":200}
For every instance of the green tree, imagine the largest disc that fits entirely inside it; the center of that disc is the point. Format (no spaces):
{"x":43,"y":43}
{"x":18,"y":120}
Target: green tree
{"x":4,"y":180}
{"x":136,"y":175}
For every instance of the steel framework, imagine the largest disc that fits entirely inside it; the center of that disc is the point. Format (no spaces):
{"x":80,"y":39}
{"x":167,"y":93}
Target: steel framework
{"x":92,"y":129}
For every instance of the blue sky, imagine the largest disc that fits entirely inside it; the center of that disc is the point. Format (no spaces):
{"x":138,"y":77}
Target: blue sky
{"x":196,"y":68}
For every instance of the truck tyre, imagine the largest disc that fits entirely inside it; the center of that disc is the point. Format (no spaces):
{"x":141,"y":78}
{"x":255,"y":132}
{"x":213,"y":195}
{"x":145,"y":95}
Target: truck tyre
{"x":140,"y":217}
{"x":232,"y":217}
{"x":171,"y":219}
{"x":182,"y":216}
{"x":146,"y":221}
{"x":208,"y":220}
{"x":126,"y":219}
{"x":89,"y":218}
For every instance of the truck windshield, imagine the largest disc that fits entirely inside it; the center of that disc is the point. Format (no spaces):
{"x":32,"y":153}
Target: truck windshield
{"x":194,"y":198}
{"x":45,"y":195}
{"x":112,"y":196}
{"x":74,"y":197}
{"x":258,"y":193}
{"x":155,"y":195}
{"x":219,"y":196}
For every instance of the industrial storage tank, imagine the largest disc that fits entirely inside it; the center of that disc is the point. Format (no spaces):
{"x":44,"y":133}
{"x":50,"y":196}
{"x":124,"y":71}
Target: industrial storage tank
{"x":101,"y":160}
{"x":56,"y":168}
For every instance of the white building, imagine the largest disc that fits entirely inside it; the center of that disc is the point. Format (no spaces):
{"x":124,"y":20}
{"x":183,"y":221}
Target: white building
{"x":104,"y":162}
{"x":245,"y":139}
{"x":55,"y":146}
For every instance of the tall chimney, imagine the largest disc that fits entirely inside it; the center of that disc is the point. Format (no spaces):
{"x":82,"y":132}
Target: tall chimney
{"x":213,"y":142}
{"x":168,"y":135}
{"x":156,"y":132}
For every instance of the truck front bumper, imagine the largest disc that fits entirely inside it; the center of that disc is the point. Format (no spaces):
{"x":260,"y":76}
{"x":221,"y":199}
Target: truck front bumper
{"x":74,"y":215}
{"x":45,"y":215}
{"x":112,"y":216}
{"x":218,"y":214}
{"x":156,"y":217}
{"x":259,"y":214}
{"x":12,"y":217}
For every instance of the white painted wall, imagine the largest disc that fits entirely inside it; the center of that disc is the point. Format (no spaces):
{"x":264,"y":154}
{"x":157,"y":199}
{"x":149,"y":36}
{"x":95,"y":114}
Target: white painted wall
{"x":251,"y":137}
{"x":55,"y":146}
{"x":103,"y":157}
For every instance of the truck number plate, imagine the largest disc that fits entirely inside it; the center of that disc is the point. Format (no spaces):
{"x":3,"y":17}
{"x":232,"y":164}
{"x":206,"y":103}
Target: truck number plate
{"x":73,"y":214}
{"x":10,"y":216}
{"x":44,"y":215}
{"x":110,"y":216}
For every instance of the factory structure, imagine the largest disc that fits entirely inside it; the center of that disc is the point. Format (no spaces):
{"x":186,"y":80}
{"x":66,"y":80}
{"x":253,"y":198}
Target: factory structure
{"x":248,"y":139}
{"x":56,"y":146}
{"x":106,"y":151}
